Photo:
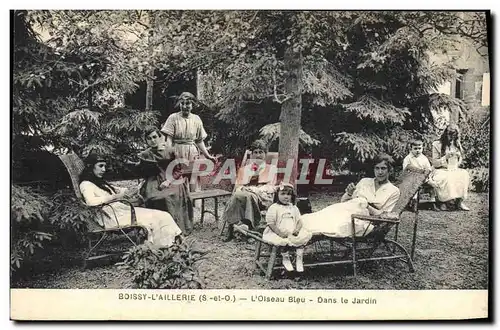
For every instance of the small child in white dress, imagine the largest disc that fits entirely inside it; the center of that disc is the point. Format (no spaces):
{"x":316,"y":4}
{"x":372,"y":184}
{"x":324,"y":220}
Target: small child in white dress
{"x":284,"y":226}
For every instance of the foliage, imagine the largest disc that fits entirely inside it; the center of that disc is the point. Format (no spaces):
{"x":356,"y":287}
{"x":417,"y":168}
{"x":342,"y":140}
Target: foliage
{"x":70,"y":216}
{"x":475,"y":138}
{"x":371,"y":68}
{"x":480,"y":179}
{"x":271,"y":133}
{"x":365,"y":76}
{"x":38,"y":217}
{"x":28,"y":224}
{"x":155,"y":267}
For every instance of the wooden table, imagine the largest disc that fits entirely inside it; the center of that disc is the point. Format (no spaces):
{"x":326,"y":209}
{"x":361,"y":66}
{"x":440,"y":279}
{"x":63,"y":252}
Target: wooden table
{"x":211,"y":193}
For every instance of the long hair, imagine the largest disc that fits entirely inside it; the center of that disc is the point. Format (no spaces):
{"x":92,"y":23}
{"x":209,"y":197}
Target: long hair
{"x":88,"y":174}
{"x":282,"y":187}
{"x":450,"y":134}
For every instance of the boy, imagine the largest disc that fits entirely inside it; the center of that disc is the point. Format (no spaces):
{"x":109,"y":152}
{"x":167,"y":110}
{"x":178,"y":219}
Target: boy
{"x":418,"y":160}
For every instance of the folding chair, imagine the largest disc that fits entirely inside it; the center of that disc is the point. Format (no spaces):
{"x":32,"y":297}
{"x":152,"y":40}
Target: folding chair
{"x":96,"y":232}
{"x":361,"y":248}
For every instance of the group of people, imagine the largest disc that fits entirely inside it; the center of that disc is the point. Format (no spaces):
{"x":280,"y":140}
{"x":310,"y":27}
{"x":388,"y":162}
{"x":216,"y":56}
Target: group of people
{"x":449,"y":182}
{"x":168,"y":211}
{"x":285,"y":225}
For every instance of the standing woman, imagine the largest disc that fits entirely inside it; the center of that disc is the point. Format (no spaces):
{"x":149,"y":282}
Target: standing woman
{"x":185,"y":133}
{"x":452,"y":182}
{"x":158,"y":192}
{"x":161,"y":227}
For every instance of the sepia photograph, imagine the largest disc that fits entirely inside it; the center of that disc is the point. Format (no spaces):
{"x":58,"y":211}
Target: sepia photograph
{"x":244,"y":163}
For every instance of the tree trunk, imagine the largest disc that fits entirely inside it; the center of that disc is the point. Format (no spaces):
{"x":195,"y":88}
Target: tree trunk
{"x":90,"y":100}
{"x":151,"y":73}
{"x":290,"y":115}
{"x":149,"y":91}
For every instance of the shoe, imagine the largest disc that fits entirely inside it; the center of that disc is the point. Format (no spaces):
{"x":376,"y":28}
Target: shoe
{"x":434,"y":207}
{"x":241,"y":227}
{"x":463,"y":207}
{"x":443,"y":207}
{"x":286,"y":262}
{"x":299,"y":261}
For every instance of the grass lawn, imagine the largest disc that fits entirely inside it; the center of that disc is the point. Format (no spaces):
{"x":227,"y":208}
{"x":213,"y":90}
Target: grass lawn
{"x":451,"y":253}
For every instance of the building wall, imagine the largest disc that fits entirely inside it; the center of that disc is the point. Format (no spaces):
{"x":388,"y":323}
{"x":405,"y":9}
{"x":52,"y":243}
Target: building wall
{"x":471,"y":83}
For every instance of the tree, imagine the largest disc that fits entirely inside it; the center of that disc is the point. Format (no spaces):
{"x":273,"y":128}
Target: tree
{"x":365,"y":79}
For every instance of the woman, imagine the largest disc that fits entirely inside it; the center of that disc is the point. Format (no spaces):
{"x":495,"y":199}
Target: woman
{"x":451,"y":183}
{"x":185,"y":133}
{"x":157,"y":190}
{"x":254,"y":191}
{"x":371,"y":196}
{"x":161,"y":227}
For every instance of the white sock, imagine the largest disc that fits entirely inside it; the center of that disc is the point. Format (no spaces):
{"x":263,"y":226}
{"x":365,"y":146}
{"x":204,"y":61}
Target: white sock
{"x":286,"y":261}
{"x":300,"y":262}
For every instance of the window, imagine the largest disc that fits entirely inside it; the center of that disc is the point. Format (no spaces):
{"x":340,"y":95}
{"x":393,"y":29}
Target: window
{"x":459,"y":84}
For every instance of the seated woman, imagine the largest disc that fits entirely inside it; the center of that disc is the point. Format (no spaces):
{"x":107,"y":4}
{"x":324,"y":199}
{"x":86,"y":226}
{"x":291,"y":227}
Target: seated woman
{"x":451,"y":183}
{"x":157,"y":191}
{"x":161,"y":227}
{"x":371,"y":196}
{"x":254,"y":191}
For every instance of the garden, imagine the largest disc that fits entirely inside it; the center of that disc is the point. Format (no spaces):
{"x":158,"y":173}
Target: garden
{"x":340,"y":86}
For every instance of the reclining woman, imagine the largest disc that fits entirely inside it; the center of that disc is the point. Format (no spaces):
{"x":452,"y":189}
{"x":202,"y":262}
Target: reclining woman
{"x":371,"y":196}
{"x":254,"y":191}
{"x":158,"y":192}
{"x":161,"y":227}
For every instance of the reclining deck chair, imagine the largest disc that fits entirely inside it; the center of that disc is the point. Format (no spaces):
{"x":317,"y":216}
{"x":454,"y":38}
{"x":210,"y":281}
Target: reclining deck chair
{"x":358,"y":248}
{"x":270,"y":156}
{"x":96,"y":232}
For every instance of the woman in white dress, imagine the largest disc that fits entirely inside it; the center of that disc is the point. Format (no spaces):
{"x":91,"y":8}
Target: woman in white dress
{"x":451,"y":182}
{"x":371,"y":196}
{"x":161,"y":227}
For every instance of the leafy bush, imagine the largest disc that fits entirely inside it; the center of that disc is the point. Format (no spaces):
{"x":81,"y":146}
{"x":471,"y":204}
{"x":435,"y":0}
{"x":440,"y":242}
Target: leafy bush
{"x":154,"y":267}
{"x":69,"y":217}
{"x":476,"y":143}
{"x":28,"y":226}
{"x":480,"y":179}
{"x":37,"y":218}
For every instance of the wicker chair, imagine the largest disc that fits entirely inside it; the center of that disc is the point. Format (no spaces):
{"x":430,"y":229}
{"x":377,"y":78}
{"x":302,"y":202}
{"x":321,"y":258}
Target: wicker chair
{"x":97,"y":234}
{"x":356,"y":249}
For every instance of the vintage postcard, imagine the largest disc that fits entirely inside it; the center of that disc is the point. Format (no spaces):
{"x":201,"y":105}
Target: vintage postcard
{"x":250,"y":165}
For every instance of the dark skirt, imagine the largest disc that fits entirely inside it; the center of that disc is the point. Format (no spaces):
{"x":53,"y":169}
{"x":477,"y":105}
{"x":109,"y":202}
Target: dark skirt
{"x":243,"y":206}
{"x":174,"y":200}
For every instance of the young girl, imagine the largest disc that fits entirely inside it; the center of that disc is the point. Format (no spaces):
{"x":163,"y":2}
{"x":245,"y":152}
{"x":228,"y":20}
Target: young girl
{"x":284,"y":227}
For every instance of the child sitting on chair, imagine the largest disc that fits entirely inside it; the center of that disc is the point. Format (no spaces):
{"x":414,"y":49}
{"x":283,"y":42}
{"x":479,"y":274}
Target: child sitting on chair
{"x":417,"y":159}
{"x":284,"y":227}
